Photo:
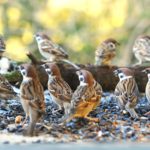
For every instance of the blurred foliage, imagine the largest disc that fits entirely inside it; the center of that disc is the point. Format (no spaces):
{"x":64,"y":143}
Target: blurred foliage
{"x":78,"y":25}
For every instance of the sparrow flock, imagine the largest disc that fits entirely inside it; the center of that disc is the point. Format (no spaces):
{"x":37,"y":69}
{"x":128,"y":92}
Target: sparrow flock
{"x":87,"y":96}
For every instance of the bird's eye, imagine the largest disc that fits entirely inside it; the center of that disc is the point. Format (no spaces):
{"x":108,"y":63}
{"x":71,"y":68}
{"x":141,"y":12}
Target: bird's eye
{"x":81,"y":79}
{"x":121,"y":76}
{"x":111,"y":45}
{"x":23,"y":72}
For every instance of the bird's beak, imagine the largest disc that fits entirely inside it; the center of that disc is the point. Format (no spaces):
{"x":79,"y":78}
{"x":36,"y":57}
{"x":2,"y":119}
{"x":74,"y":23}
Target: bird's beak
{"x":144,"y":71}
{"x":77,"y":72}
{"x":43,"y":66}
{"x":118,"y":43}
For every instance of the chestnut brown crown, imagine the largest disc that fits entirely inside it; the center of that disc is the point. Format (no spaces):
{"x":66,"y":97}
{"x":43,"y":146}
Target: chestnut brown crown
{"x":86,"y":77}
{"x":125,"y":71}
{"x":53,"y":68}
{"x":42,"y":35}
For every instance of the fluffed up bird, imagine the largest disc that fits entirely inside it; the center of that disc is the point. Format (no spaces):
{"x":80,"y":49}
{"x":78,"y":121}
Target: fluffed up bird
{"x":59,"y":89}
{"x":147,"y":88}
{"x":141,"y":49}
{"x":6,"y":90}
{"x":85,"y":98}
{"x":127,"y":91}
{"x":105,"y":52}
{"x":32,"y":97}
{"x":52,"y":51}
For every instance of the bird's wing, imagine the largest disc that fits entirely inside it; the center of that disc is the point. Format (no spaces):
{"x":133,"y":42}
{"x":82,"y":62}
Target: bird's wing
{"x":2,"y":44}
{"x":35,"y":98}
{"x":128,"y":90}
{"x":50,"y":47}
{"x":82,"y":94}
{"x":60,"y":89}
{"x":98,"y":88}
{"x":5,"y":85}
{"x":27,"y":90}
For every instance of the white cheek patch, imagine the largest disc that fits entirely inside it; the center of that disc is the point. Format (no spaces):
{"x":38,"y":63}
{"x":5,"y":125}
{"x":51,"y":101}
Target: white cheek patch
{"x":148,"y":76}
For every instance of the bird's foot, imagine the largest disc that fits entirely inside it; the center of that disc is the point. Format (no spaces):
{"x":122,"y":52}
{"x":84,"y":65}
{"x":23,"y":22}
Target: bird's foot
{"x":96,"y":120}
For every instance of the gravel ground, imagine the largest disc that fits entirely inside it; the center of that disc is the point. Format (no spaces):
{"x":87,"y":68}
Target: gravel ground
{"x":114,"y":126}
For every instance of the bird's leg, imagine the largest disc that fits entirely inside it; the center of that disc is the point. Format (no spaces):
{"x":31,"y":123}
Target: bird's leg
{"x":92,"y":119}
{"x":25,"y":120}
{"x":59,"y":109}
{"x":131,"y":111}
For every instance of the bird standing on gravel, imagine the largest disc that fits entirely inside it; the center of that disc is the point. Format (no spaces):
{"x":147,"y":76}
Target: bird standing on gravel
{"x":141,"y":49}
{"x":127,"y":91}
{"x":86,"y":97}
{"x":51,"y":51}
{"x":32,"y":96}
{"x":105,"y":52}
{"x":60,"y":91}
{"x":147,"y":88}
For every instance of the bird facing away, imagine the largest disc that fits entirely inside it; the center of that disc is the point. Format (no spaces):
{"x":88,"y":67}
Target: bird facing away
{"x":59,"y":89}
{"x":52,"y":51}
{"x":6,"y":90}
{"x":32,"y":96}
{"x":127,"y":91}
{"x":141,"y":49}
{"x":105,"y":52}
{"x":2,"y":45}
{"x":86,"y":97}
{"x":147,"y":88}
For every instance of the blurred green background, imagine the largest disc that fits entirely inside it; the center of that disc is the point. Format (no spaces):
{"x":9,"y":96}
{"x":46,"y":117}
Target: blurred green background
{"x":78,"y":25}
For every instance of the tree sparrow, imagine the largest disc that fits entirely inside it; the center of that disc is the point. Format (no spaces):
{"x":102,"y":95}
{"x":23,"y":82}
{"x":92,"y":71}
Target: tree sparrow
{"x":32,"y":96}
{"x":2,"y":45}
{"x":86,"y":97}
{"x":127,"y":91}
{"x":50,"y":50}
{"x":105,"y":52}
{"x":147,"y":88}
{"x":59,"y":89}
{"x":141,"y":49}
{"x":6,"y":90}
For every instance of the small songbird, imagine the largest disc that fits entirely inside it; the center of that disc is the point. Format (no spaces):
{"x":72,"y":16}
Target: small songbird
{"x":147,"y":88}
{"x":4,"y":62}
{"x":141,"y":49}
{"x":59,"y":89}
{"x":32,"y":96}
{"x":2,"y":45}
{"x":6,"y":90}
{"x":52,"y":51}
{"x":105,"y":52}
{"x":127,"y":91}
{"x":86,"y":97}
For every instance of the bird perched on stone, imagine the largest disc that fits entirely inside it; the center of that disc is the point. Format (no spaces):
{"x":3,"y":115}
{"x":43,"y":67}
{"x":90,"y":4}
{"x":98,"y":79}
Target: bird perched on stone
{"x":141,"y":49}
{"x":127,"y":91}
{"x":147,"y":88}
{"x":86,"y":97}
{"x":32,"y":96}
{"x":105,"y":52}
{"x":52,"y":51}
{"x":6,"y":90}
{"x":59,"y":89}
